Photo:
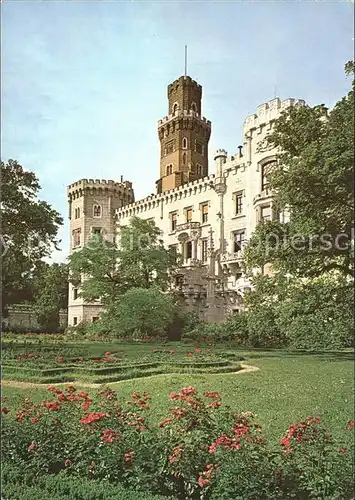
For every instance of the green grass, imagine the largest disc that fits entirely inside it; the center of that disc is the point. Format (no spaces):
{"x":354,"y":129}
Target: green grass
{"x":288,"y":387}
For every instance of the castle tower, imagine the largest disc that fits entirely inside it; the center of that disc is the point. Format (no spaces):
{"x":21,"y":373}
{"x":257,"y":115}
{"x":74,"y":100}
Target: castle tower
{"x":92,"y":207}
{"x":184,"y":135}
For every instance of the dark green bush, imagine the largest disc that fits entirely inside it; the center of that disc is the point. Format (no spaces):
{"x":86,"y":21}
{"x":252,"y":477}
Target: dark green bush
{"x":318,"y":316}
{"x":140,"y":311}
{"x":262,"y":328}
{"x":19,"y":486}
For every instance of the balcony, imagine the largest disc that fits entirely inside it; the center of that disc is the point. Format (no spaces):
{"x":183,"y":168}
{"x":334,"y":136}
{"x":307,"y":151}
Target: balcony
{"x":232,"y":258}
{"x":187,"y":225}
{"x":264,"y":195}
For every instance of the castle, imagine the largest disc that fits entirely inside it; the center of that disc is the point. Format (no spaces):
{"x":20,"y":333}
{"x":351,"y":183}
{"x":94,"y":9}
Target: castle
{"x":206,"y":217}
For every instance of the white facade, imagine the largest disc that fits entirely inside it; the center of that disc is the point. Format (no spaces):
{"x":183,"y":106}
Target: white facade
{"x":225,"y":206}
{"x":235,"y":195}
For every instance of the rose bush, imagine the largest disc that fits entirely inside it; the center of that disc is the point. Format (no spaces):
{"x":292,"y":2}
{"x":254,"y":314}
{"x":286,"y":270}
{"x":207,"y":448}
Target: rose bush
{"x":200,"y":450}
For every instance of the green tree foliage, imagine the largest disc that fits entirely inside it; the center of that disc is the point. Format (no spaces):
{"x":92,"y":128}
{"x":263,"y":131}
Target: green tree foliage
{"x":51,"y":295}
{"x":107,"y":270}
{"x":139,"y":311}
{"x":314,"y":180}
{"x":29,"y":232}
{"x":304,"y":314}
{"x":308,"y":301}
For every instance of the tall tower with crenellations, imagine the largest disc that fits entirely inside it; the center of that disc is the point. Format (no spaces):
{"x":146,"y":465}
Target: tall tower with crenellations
{"x":92,"y":211}
{"x":184,"y":135}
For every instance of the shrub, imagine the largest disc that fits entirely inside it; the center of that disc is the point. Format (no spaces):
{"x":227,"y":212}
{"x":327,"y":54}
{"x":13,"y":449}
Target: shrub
{"x":262,"y":328}
{"x":140,"y":311}
{"x":190,"y":323}
{"x":237,"y":326}
{"x":318,"y":316}
{"x":20,"y":486}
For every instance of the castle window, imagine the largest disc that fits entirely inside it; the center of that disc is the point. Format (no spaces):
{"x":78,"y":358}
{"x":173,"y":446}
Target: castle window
{"x":97,"y":211}
{"x":204,"y":247}
{"x":194,"y":107}
{"x":238,"y":240}
{"x":198,"y":147}
{"x":77,"y":213}
{"x":184,"y":143}
{"x":175,"y":108}
{"x":75,"y":320}
{"x":199,"y":170}
{"x":174,"y":249}
{"x":265,"y":171}
{"x":204,"y":210}
{"x":75,"y":293}
{"x":95,"y":318}
{"x":169,"y":148}
{"x":96,"y":233}
{"x":265,"y":213}
{"x":76,"y":237}
{"x":169,"y":169}
{"x":173,"y":221}
{"x":238,"y":203}
{"x":189,"y":250}
{"x":184,"y":159}
{"x":188,"y":214}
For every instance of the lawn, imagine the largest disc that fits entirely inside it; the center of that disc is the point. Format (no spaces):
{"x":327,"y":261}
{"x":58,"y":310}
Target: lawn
{"x":288,"y":386}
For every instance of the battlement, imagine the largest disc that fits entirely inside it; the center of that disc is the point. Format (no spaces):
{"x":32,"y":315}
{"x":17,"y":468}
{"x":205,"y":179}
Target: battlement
{"x":183,"y":80}
{"x":122,"y":189}
{"x":99,"y":183}
{"x":269,"y":111}
{"x":183,"y":113}
{"x":153,"y":200}
{"x":220,"y":152}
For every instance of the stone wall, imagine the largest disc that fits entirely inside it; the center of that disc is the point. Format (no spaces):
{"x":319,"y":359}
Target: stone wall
{"x":23,"y":317}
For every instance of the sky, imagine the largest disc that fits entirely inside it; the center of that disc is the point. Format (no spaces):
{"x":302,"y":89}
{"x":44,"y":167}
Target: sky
{"x":84,"y":83}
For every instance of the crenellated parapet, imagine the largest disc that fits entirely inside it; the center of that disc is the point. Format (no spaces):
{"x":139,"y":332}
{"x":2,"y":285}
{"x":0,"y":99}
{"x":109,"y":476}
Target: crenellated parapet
{"x":268,"y":112}
{"x":183,"y":113}
{"x":123,"y":189}
{"x":155,"y":200}
{"x":183,"y":80}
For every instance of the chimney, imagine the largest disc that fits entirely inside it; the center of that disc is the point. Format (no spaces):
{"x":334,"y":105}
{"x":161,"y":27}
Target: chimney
{"x":240,"y":151}
{"x":121,"y":178}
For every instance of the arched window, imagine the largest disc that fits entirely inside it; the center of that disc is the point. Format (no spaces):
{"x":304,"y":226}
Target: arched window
{"x":184,"y":159}
{"x":194,"y":107}
{"x":97,"y":211}
{"x":175,"y":108}
{"x":184,"y":143}
{"x":169,"y":169}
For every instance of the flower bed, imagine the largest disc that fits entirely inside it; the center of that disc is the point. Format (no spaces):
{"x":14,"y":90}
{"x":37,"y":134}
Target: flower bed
{"x":48,"y":363}
{"x":200,"y":450}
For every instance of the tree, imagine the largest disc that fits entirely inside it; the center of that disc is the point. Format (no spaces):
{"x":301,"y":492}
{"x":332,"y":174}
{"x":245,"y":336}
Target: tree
{"x":105,"y":270}
{"x":308,"y":299}
{"x":314,"y":313}
{"x":29,"y":232}
{"x":139,"y":311}
{"x":313,"y":180}
{"x":51,"y":296}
